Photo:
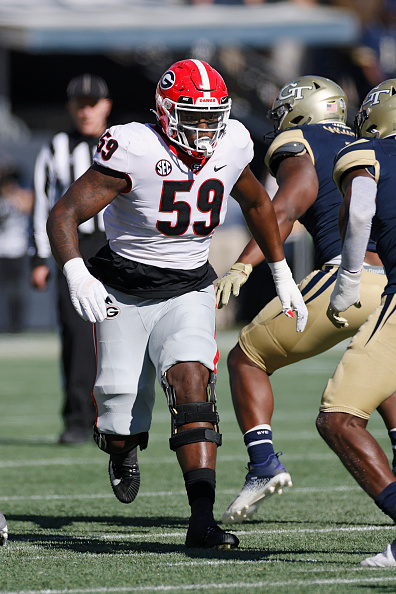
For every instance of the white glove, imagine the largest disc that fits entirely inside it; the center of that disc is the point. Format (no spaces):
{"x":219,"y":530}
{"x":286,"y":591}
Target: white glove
{"x":231,"y":281}
{"x":346,"y":292}
{"x":289,"y":293}
{"x":87,"y":294}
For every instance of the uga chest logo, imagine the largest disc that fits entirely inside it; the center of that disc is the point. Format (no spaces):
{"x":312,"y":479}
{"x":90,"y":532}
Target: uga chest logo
{"x":163,"y":168}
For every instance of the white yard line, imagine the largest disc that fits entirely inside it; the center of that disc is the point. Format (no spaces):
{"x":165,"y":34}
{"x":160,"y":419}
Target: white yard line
{"x":265,"y":585}
{"x":142,"y":493}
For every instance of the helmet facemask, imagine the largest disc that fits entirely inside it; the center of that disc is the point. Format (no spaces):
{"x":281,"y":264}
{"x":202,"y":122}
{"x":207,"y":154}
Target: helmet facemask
{"x":183,"y":123}
{"x":279,"y":114}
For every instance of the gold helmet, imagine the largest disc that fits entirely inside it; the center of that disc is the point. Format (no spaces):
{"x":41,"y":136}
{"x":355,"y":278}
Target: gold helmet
{"x":309,"y":100}
{"x":377,"y":115}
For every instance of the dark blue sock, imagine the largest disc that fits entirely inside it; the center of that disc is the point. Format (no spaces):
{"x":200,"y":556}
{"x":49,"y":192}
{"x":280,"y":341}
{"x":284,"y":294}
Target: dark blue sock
{"x":386,"y":501}
{"x":259,"y":444}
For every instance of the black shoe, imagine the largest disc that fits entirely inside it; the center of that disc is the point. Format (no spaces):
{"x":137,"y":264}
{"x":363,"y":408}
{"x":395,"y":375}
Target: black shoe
{"x":72,"y":436}
{"x":125,"y":475}
{"x":209,"y":536}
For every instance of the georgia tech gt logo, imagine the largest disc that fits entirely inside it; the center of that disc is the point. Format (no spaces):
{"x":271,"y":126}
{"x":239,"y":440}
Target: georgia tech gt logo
{"x":293,"y":91}
{"x":168,"y":80}
{"x":112,"y":311}
{"x":374,"y":96}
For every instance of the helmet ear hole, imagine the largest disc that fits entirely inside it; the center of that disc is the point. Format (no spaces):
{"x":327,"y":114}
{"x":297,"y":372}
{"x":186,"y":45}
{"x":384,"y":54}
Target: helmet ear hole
{"x":372,"y":129}
{"x":297,"y":120}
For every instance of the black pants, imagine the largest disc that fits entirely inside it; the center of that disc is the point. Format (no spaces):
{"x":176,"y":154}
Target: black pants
{"x":13,"y":288}
{"x":77,"y":350}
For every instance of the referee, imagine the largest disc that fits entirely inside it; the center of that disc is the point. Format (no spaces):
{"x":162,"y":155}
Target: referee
{"x":57,"y":166}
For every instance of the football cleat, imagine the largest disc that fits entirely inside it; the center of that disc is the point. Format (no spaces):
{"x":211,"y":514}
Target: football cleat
{"x":262,"y":481}
{"x":208,"y":535}
{"x":3,"y":530}
{"x":384,"y":559}
{"x":125,"y":475}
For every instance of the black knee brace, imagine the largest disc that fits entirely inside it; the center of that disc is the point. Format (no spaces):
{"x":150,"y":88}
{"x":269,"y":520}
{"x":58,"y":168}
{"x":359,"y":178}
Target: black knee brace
{"x":102,"y":441}
{"x":193,"y":412}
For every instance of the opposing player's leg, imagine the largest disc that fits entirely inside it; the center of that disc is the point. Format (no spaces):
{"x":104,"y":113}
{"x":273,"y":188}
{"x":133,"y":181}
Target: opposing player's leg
{"x":387,"y":410}
{"x":3,"y":530}
{"x":362,"y":380}
{"x":253,"y":404}
{"x":185,"y":354}
{"x":271,"y":342}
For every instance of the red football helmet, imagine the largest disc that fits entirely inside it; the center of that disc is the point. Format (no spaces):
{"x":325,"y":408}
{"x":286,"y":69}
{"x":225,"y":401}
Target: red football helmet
{"x":188,"y":93}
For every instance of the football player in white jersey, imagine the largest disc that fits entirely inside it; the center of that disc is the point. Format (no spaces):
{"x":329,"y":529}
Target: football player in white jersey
{"x":151,"y":293}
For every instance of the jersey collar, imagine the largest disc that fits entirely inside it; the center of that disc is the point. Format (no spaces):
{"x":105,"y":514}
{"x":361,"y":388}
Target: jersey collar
{"x":194,"y":164}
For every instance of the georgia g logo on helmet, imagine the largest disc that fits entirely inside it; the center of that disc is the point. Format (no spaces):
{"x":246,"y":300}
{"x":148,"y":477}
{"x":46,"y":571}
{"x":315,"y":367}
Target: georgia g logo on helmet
{"x":293,"y":91}
{"x":168,"y":80}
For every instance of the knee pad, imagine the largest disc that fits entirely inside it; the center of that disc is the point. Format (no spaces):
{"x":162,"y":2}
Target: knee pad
{"x":193,"y":412}
{"x":103,"y":442}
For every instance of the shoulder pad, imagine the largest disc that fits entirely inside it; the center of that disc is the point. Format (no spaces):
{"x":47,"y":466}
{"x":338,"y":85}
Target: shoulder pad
{"x":133,"y":137}
{"x":290,"y":142}
{"x":292,"y":148}
{"x":239,"y":133}
{"x":358,"y":154}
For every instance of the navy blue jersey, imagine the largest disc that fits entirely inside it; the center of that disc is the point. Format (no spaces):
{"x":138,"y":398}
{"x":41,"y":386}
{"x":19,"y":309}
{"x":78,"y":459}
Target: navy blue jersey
{"x":322,"y":142}
{"x":379,"y":157}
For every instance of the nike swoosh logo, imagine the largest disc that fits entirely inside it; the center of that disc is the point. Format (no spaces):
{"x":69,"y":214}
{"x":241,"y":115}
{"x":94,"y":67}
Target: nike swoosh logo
{"x":218,"y":168}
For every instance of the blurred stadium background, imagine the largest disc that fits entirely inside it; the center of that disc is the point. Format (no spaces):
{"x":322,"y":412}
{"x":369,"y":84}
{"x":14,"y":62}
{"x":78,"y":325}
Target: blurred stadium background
{"x":257,"y":46}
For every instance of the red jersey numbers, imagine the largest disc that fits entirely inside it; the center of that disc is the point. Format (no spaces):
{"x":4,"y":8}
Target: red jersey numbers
{"x":107,"y":146}
{"x":209,"y":200}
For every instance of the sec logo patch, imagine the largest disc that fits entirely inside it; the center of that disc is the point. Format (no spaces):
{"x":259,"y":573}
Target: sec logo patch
{"x":112,"y":311}
{"x":163,"y":168}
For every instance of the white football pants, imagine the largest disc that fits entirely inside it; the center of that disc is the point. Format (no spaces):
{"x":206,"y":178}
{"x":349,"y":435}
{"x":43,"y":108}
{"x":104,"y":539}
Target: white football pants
{"x":141,"y":338}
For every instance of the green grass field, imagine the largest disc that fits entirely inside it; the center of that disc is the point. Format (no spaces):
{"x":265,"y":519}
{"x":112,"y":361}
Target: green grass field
{"x":68,"y":533}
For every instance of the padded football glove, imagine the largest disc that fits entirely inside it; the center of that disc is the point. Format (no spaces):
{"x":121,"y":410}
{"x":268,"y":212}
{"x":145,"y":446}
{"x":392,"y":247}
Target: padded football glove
{"x":87,"y":294}
{"x":346,"y":292}
{"x":231,"y":281}
{"x":289,"y":293}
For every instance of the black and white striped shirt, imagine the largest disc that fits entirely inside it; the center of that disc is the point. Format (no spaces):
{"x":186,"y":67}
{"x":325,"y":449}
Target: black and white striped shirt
{"x":57,"y":166}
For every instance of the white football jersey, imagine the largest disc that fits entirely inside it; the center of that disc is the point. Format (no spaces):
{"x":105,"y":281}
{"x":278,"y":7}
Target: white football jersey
{"x":168,"y":217}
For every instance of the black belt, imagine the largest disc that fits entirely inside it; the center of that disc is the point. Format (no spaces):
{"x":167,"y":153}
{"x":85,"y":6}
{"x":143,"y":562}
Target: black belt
{"x":328,"y":267}
{"x":94,"y":235}
{"x":366,"y":268}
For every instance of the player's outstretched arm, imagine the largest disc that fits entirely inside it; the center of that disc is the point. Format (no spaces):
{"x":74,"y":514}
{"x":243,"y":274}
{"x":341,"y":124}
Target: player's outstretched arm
{"x":260,"y":217}
{"x":297,"y":190}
